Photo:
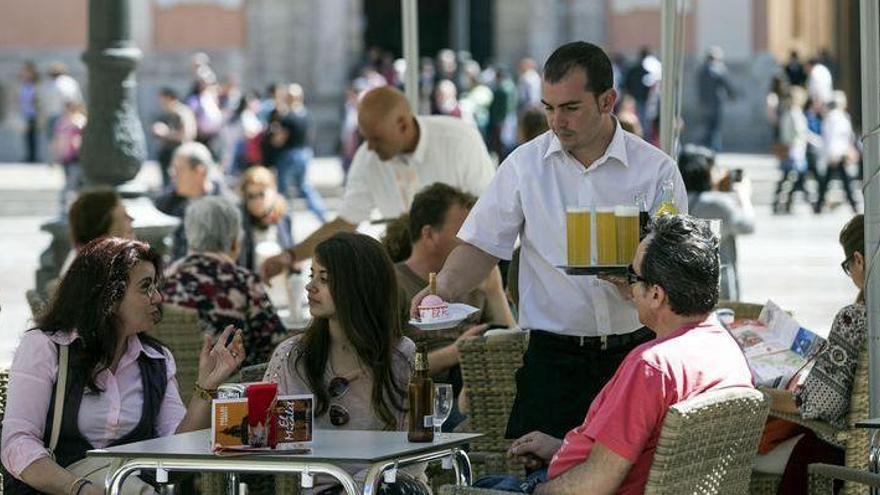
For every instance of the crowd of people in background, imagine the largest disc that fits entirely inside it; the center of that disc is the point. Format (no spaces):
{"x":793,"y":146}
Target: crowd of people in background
{"x":813,"y":136}
{"x":813,"y":131}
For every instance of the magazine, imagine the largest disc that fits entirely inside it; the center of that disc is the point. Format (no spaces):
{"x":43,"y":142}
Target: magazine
{"x":775,"y":345}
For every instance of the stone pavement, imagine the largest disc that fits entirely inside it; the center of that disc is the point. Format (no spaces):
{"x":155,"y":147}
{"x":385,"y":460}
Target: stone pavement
{"x":793,"y":259}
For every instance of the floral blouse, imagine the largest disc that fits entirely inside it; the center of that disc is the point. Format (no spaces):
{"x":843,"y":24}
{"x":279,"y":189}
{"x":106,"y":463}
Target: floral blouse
{"x":827,"y":389}
{"x":224,"y":294}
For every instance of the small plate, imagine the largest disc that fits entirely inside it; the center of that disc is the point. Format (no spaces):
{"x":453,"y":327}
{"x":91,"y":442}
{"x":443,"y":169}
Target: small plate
{"x":594,"y":269}
{"x":457,"y":313}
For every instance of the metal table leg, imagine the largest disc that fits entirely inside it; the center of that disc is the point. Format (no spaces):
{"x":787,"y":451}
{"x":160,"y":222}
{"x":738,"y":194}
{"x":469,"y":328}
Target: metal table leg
{"x":117,"y":478}
{"x":461,"y":464}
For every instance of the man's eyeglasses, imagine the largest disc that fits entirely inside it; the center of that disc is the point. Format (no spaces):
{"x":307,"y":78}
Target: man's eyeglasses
{"x":339,"y":415}
{"x":632,"y":277}
{"x":845,"y":265}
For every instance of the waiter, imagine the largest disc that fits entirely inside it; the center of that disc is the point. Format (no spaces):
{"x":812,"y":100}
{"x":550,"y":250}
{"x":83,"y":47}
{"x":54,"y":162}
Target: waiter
{"x":401,"y":154}
{"x":581,"y":327}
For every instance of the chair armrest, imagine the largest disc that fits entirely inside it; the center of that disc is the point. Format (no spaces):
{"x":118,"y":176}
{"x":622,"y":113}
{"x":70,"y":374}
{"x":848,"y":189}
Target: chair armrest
{"x":822,"y":429}
{"x":822,"y":476}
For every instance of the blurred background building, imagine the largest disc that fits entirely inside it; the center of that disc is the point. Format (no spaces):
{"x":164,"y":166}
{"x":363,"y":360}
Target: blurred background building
{"x":320,"y":44}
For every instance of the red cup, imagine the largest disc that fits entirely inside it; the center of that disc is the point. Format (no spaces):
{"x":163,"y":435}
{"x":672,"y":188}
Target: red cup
{"x":261,"y":414}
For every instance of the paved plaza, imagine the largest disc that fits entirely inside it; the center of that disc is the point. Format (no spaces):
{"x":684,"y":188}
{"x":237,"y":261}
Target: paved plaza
{"x":793,"y":259}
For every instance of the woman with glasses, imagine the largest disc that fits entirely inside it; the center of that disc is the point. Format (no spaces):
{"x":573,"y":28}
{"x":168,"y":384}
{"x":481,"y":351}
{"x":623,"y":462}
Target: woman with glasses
{"x":823,"y":392}
{"x":265,"y":220}
{"x":120,"y":382}
{"x":353,"y":356}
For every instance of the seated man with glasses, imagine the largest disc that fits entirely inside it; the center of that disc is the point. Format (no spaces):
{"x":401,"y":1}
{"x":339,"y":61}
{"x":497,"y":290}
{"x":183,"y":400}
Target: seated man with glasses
{"x":673,"y":283}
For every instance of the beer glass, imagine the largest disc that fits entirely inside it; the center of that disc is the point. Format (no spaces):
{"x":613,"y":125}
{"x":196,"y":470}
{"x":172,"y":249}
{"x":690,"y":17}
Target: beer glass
{"x":627,"y":220}
{"x":606,"y":236}
{"x":577,"y":231}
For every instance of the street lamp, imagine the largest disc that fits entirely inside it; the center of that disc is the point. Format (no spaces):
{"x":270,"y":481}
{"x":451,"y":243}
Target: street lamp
{"x":113,"y":146}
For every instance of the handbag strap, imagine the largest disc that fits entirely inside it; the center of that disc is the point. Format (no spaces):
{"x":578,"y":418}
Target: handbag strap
{"x":60,"y":388}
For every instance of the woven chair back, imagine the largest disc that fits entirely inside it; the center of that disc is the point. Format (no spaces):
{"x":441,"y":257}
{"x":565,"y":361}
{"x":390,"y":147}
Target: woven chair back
{"x":858,"y":439}
{"x":179,"y":330}
{"x":488,"y":367}
{"x":707,"y":443}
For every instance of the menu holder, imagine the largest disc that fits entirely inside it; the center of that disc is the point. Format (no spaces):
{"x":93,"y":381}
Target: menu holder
{"x":594,"y":269}
{"x":292,"y":425}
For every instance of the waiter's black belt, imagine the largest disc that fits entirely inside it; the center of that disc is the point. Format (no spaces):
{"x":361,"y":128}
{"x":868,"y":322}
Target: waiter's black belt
{"x":544,"y":338}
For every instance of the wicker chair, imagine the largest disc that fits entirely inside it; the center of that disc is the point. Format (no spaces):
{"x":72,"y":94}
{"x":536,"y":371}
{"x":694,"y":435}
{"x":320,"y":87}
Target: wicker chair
{"x":854,"y":440}
{"x":822,"y":478}
{"x":488,"y":368}
{"x":179,"y":330}
{"x":706,"y":445}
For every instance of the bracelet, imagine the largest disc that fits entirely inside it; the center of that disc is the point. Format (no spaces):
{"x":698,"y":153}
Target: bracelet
{"x":205,"y":393}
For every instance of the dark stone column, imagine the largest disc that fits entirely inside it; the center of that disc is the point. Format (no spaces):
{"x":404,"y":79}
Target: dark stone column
{"x":113,"y":145}
{"x":113,"y":142}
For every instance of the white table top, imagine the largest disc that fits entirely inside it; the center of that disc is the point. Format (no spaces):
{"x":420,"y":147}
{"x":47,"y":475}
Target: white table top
{"x":355,"y":446}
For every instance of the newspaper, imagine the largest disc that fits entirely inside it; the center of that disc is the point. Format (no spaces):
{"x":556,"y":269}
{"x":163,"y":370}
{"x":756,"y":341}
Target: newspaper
{"x":775,"y":345}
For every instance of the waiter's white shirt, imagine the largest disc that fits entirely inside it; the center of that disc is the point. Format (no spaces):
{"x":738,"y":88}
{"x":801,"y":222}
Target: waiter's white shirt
{"x":450,"y":151}
{"x":527,"y":199}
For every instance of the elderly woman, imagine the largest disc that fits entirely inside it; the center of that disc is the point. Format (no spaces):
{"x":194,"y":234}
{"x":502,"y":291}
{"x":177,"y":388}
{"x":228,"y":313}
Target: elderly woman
{"x":120,"y":382}
{"x":209,"y":280}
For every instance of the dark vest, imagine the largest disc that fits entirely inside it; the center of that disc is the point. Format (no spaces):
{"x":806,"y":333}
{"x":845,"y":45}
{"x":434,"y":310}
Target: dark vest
{"x":72,"y":445}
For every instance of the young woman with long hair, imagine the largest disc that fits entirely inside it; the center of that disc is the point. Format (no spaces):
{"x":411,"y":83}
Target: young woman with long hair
{"x":353,"y":356}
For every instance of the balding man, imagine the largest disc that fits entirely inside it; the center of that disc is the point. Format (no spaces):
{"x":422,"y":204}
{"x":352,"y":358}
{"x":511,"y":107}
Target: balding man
{"x":401,"y":154}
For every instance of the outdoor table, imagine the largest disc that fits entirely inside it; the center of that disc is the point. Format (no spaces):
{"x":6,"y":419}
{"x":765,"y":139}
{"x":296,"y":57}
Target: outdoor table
{"x":381,"y":450}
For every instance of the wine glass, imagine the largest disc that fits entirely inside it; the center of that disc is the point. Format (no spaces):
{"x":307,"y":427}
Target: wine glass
{"x":442,"y":405}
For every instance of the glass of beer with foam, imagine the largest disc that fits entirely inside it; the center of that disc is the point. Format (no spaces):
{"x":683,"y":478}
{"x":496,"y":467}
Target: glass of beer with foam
{"x":627,"y":223}
{"x":606,"y":236}
{"x":577,"y":231}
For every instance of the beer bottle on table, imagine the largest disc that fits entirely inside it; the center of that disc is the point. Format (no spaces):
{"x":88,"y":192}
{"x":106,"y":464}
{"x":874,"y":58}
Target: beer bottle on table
{"x":421,"y":399}
{"x":667,"y":201}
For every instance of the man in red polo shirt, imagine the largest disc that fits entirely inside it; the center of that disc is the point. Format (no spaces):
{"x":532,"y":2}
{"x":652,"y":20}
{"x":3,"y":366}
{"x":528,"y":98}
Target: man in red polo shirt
{"x":674,"y":285}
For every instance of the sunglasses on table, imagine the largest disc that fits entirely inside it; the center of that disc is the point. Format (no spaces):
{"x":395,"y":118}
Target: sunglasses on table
{"x":339,"y":415}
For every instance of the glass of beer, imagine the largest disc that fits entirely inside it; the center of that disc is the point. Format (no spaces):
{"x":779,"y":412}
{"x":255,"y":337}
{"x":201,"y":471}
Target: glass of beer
{"x":577,"y":230}
{"x":627,"y":220}
{"x":606,"y":236}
